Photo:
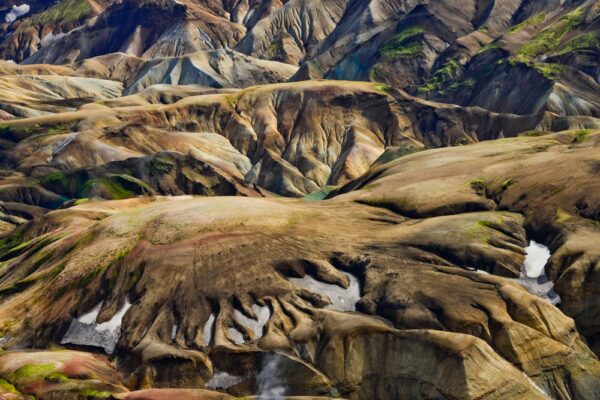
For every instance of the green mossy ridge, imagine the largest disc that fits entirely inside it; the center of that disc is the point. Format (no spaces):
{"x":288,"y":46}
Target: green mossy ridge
{"x":54,"y":179}
{"x":81,"y":201}
{"x":550,"y":38}
{"x":548,"y":70}
{"x":442,"y":78}
{"x":533,"y":21}
{"x":400,"y":46}
{"x":383,"y":88}
{"x":583,"y":41}
{"x":35,"y":372}
{"x":63,"y":12}
{"x":118,"y":187}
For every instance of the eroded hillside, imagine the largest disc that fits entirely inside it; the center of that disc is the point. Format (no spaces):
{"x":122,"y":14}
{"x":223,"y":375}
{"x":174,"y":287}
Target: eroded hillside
{"x":381,"y":199}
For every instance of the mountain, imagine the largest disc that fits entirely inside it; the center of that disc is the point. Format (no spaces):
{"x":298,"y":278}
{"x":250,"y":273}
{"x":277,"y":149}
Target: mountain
{"x":300,"y":199}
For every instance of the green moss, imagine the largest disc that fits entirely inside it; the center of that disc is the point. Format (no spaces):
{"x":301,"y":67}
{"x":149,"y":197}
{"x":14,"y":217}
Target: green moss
{"x":95,"y":394}
{"x":12,"y":243}
{"x":562,"y":215}
{"x":550,"y":38}
{"x":117,"y":187}
{"x":548,"y":70}
{"x":320,"y":194}
{"x":54,"y":179}
{"x":7,"y":387}
{"x":443,"y":76}
{"x":533,"y":21}
{"x":584,"y":41}
{"x":383,"y":88}
{"x":63,"y":12}
{"x":479,"y":185}
{"x":35,"y":372}
{"x":581,"y":135}
{"x":81,"y":201}
{"x":402,"y":44}
{"x":160,"y":165}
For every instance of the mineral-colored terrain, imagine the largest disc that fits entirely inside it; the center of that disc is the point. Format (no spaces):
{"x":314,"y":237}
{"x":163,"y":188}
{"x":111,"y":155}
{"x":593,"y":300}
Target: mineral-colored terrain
{"x":301,"y":199}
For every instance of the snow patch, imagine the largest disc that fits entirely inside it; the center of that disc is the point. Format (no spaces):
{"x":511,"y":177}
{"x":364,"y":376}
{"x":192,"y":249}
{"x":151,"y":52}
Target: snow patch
{"x":85,"y":331}
{"x":533,"y":275}
{"x":16,"y":12}
{"x":341,"y":299}
{"x":263,"y":314}
{"x":236,"y":336}
{"x":222,"y":380}
{"x":208,"y":330}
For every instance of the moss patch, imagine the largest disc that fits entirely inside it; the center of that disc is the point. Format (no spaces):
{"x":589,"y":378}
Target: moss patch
{"x":549,"y":39}
{"x":63,"y":12}
{"x":37,"y":372}
{"x":402,"y":45}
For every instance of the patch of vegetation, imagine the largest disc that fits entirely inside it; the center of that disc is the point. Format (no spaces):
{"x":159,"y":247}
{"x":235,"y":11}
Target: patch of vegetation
{"x":562,"y":215}
{"x":54,"y":179}
{"x":160,"y":165}
{"x":11,"y":242}
{"x":37,"y":372}
{"x":479,"y":186}
{"x":506,"y":184}
{"x":117,"y":187}
{"x":535,"y":133}
{"x":443,"y":76}
{"x":8,"y":387}
{"x":550,"y":71}
{"x":402,"y":45}
{"x":584,"y":41}
{"x":81,"y":201}
{"x":383,"y":88}
{"x":550,"y":38}
{"x":581,"y":135}
{"x":533,"y":21}
{"x":63,"y":12}
{"x":320,"y":194}
{"x":94,"y":394}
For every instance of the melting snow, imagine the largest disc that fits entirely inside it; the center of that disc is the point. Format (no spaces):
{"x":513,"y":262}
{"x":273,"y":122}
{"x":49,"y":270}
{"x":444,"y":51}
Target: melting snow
{"x":222,"y":380}
{"x":86,"y":332}
{"x":263,"y":314}
{"x":341,"y":299}
{"x":236,"y":336}
{"x":533,"y":275}
{"x":16,"y":12}
{"x":208,"y":330}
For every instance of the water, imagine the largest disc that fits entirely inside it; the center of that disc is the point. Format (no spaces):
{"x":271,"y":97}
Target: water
{"x":84,"y":331}
{"x":270,"y":382}
{"x":341,"y":299}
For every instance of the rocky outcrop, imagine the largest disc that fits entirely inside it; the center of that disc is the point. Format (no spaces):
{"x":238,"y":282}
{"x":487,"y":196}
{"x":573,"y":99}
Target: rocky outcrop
{"x":216,"y":69}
